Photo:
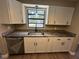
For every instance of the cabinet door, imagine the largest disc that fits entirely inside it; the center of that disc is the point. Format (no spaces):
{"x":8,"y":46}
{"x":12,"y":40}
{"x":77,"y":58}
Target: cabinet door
{"x":69,"y":13}
{"x":69,"y":42}
{"x":62,"y":44}
{"x":63,"y":15}
{"x":15,"y":12}
{"x":50,"y":44}
{"x":10,"y":12}
{"x":41,"y":44}
{"x":59,"y":45}
{"x":29,"y":44}
{"x":19,"y":15}
{"x":54,"y":44}
{"x":51,"y":15}
{"x":4,"y":12}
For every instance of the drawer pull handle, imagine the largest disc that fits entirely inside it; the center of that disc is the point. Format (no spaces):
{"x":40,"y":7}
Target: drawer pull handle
{"x":69,"y":39}
{"x":62,"y":43}
{"x":36,"y":44}
{"x":48,"y":40}
{"x":58,"y":39}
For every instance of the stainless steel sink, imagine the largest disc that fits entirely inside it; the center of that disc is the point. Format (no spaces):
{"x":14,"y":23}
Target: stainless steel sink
{"x":36,"y":33}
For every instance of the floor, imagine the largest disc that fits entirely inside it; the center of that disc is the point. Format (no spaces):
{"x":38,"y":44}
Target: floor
{"x":47,"y":56}
{"x":43,"y":56}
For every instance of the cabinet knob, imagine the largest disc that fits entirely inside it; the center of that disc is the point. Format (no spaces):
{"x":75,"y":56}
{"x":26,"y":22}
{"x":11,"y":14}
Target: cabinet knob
{"x":58,"y":39}
{"x":48,"y":40}
{"x":69,"y":39}
{"x":62,"y":43}
{"x":54,"y":21}
{"x":36,"y":44}
{"x":22,"y":20}
{"x":67,"y":22}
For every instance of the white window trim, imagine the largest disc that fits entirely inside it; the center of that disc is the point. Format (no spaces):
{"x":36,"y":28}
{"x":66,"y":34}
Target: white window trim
{"x":33,"y":5}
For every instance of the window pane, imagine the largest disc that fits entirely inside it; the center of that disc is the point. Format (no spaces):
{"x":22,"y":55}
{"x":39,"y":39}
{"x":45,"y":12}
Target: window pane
{"x":40,"y":11}
{"x":36,"y":25}
{"x":32,"y":21}
{"x":39,"y":16}
{"x":32,"y":25}
{"x":31,"y":11}
{"x":36,"y":21}
{"x":40,"y":21}
{"x":31,"y":16}
{"x":39,"y":25}
{"x":36,"y":16}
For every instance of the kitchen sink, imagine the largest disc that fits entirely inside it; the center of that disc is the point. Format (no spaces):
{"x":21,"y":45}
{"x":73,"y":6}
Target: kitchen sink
{"x":36,"y":33}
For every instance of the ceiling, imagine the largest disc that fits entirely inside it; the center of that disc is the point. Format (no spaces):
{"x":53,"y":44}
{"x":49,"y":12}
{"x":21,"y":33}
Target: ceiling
{"x":68,"y":0}
{"x":50,"y":2}
{"x":72,"y":0}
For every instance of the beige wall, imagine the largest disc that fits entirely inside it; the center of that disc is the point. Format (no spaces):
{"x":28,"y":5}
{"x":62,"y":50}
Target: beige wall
{"x":4,"y":28}
{"x":75,"y":27}
{"x":75,"y":21}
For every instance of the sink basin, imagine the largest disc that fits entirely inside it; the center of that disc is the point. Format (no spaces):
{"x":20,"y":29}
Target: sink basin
{"x":35,"y":33}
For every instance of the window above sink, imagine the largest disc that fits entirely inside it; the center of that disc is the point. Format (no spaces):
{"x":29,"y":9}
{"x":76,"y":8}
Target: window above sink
{"x":35,"y":15}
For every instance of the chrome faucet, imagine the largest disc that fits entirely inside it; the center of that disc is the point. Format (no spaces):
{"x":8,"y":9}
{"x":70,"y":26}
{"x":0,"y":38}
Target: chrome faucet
{"x":36,"y":29}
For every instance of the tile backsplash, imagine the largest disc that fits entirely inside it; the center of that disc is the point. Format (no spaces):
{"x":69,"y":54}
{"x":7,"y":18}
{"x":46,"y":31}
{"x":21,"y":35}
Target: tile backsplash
{"x":47,"y":27}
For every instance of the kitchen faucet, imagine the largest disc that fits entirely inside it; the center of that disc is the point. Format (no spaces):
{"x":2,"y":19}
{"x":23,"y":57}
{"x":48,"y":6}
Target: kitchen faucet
{"x":36,"y":28}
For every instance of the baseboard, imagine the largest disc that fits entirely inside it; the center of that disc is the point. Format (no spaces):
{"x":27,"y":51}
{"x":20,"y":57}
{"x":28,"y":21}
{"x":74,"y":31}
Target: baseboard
{"x":72,"y":53}
{"x":5,"y":56}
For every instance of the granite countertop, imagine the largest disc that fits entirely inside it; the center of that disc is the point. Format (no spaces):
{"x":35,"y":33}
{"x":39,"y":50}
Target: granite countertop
{"x":54,"y":33}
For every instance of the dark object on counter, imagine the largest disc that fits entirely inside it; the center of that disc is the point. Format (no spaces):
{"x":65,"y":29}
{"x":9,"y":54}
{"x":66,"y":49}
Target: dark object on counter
{"x":15,"y":45}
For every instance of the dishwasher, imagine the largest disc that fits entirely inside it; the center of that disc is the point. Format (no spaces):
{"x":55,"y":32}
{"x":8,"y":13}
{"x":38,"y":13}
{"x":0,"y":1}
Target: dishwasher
{"x":15,"y":45}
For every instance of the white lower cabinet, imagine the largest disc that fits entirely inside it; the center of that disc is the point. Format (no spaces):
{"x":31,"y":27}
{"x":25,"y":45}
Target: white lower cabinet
{"x":50,"y":44}
{"x":61,"y":44}
{"x":35,"y":44}
{"x":47,"y":44}
{"x":41,"y":44}
{"x":29,"y":45}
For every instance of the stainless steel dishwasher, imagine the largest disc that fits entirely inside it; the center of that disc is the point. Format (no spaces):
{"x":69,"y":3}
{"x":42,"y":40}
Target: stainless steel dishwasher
{"x":15,"y":45}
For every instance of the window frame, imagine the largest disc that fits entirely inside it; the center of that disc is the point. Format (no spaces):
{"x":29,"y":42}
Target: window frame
{"x":25,"y":6}
{"x":36,"y":18}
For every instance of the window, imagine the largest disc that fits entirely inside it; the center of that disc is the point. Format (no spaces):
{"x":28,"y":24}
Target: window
{"x":36,"y":17}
